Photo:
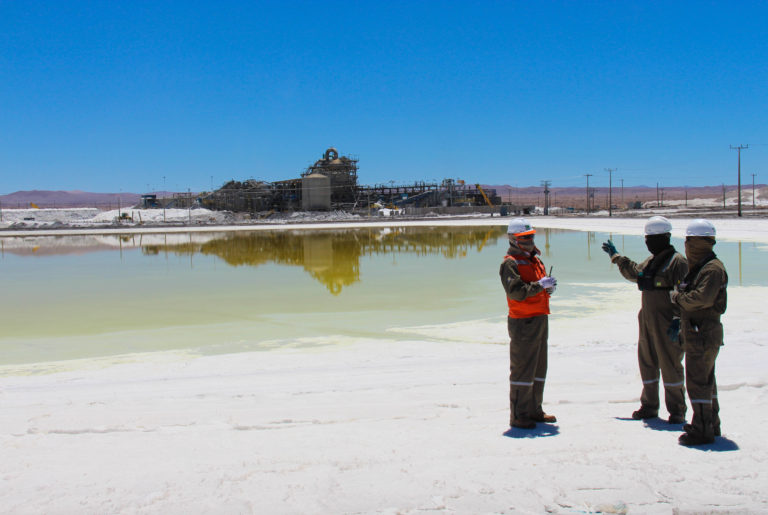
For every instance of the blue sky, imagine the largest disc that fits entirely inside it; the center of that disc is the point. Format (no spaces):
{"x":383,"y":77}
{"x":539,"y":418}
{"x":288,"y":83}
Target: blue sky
{"x":109,"y":96}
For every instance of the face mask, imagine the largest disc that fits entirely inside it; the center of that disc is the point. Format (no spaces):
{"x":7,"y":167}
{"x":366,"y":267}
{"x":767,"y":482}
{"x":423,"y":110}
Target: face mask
{"x":697,"y":248}
{"x":526,"y":244}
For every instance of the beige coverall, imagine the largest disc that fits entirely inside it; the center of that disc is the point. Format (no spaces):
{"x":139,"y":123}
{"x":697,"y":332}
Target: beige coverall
{"x":527,"y":349}
{"x":655,"y":349}
{"x":701,"y":305}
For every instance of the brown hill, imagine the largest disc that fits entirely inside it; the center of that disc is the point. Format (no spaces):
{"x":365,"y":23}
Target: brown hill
{"x":620,"y":197}
{"x":530,"y":195}
{"x":61,"y":199}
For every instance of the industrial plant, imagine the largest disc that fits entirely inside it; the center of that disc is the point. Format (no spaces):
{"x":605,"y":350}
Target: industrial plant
{"x":331,"y":183}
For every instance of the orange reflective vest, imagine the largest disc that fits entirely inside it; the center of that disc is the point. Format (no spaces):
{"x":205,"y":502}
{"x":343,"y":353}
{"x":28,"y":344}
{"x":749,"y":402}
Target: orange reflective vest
{"x":531,"y":269}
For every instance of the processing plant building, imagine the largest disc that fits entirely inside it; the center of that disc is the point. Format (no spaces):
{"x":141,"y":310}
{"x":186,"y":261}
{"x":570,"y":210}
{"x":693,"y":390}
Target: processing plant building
{"x":331,"y":184}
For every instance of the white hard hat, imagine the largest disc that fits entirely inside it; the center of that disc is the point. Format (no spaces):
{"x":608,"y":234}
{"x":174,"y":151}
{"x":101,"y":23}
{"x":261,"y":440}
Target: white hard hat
{"x":700,"y":227}
{"x":520,"y":227}
{"x":657,"y":225}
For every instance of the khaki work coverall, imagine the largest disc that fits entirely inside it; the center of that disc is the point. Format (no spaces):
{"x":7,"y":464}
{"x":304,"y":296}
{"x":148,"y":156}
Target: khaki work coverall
{"x":700,"y":308}
{"x":527,"y":349}
{"x":655,"y":349}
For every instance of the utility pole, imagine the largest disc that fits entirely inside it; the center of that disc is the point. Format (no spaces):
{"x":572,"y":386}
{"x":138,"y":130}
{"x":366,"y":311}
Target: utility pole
{"x":546,"y":195}
{"x":657,"y":195}
{"x":588,"y":175}
{"x":739,"y":152}
{"x":610,"y":190}
{"x":723,"y":195}
{"x":622,"y":194}
{"x":753,"y":192}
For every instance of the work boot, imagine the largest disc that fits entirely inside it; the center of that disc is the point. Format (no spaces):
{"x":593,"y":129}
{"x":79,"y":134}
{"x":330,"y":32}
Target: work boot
{"x":543,"y":417}
{"x":676,"y":419}
{"x":524,"y":424}
{"x":688,"y":428}
{"x":690,"y":439}
{"x":644,"y":413}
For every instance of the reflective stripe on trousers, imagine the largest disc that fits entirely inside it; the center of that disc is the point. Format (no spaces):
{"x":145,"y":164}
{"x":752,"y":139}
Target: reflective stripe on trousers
{"x":520,"y":383}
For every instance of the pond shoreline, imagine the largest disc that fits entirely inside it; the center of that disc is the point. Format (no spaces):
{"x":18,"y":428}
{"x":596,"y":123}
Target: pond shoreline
{"x":729,"y":228}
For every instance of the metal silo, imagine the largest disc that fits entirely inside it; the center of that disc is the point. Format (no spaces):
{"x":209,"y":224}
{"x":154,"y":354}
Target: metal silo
{"x":315,"y":192}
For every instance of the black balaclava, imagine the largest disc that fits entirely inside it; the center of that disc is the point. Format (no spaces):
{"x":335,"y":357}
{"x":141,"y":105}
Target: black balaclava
{"x":658,"y":243}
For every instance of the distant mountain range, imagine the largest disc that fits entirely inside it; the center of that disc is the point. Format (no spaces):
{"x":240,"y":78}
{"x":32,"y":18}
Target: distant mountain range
{"x":525,"y":195}
{"x":620,"y":196}
{"x":641,"y":192}
{"x":49,"y":199}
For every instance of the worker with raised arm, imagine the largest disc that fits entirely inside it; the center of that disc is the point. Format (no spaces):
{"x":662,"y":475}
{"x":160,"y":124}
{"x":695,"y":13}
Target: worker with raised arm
{"x":528,"y":288}
{"x":702,"y":299}
{"x":658,"y":346}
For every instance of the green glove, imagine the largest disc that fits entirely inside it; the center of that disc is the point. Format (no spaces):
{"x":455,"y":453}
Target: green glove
{"x":610,"y":248}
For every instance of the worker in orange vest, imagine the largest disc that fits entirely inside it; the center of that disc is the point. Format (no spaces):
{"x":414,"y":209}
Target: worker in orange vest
{"x":528,"y":288}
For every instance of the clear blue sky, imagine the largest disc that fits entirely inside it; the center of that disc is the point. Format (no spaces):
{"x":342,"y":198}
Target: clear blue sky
{"x":107,"y":96}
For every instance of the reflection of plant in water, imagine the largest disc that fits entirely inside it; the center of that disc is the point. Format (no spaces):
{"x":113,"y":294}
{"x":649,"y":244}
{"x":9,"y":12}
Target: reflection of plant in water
{"x":333,"y":256}
{"x":451,"y":242}
{"x":255,"y":249}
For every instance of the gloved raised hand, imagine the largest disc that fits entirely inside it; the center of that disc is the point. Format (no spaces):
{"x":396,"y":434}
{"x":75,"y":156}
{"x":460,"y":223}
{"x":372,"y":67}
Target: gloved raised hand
{"x":548,"y":283}
{"x":610,"y":248}
{"x":673,"y":331}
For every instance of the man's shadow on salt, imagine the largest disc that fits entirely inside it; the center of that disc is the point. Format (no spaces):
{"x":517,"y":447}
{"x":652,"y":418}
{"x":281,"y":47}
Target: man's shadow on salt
{"x":541,"y":430}
{"x":721,"y":443}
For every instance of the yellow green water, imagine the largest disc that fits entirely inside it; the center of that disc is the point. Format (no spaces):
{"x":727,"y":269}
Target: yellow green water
{"x":86,"y":296}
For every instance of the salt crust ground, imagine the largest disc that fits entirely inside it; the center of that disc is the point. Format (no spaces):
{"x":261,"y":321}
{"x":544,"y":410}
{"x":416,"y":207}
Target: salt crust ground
{"x":733,"y":229}
{"x":384,"y":426}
